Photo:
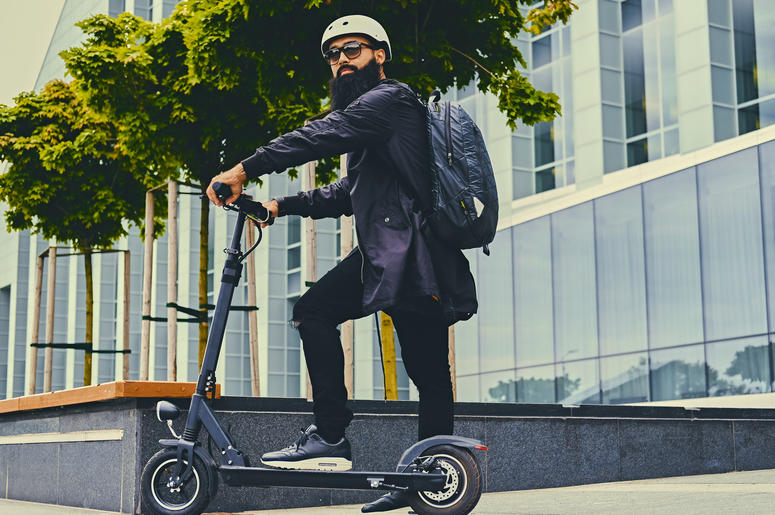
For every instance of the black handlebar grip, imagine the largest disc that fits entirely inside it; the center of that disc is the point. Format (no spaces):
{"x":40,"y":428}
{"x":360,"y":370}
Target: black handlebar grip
{"x":222,"y":191}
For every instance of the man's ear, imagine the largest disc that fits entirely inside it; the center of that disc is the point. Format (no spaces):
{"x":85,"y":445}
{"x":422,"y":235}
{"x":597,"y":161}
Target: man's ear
{"x":380,"y":56}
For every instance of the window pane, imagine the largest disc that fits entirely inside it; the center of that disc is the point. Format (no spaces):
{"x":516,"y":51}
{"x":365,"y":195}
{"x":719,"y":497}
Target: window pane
{"x":575,"y":303}
{"x":533,"y":292}
{"x":745,"y":50}
{"x":536,"y":384}
{"x":578,"y":382}
{"x":720,"y":46}
{"x":673,"y":260}
{"x":667,"y":70}
{"x":613,"y":156}
{"x":544,"y":143}
{"x":499,"y":387}
{"x":294,"y":229}
{"x":671,"y":142}
{"x":611,"y":84}
{"x":467,"y":389}
{"x":613,"y":122}
{"x":721,"y":83}
{"x":609,"y":16}
{"x":542,"y":51}
{"x":545,"y":180}
{"x":496,"y":312}
{"x":718,"y":12}
{"x":521,"y":152}
{"x":634,"y":83}
{"x":748,"y":119}
{"x":723,"y":123}
{"x":610,"y":51}
{"x":625,"y":379}
{"x":637,"y":152}
{"x":738,"y":367}
{"x":631,"y":14}
{"x":523,"y":184}
{"x":294,"y":258}
{"x":767,"y":160}
{"x":678,"y":373}
{"x":731,"y":239}
{"x":764,"y":19}
{"x":620,"y":272}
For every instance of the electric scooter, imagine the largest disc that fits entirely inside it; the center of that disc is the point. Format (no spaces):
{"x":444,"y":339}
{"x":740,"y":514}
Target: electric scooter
{"x":440,"y":473}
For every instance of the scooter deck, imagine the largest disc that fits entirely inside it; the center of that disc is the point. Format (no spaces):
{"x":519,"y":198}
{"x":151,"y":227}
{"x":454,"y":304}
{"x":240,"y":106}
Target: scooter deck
{"x":351,"y":480}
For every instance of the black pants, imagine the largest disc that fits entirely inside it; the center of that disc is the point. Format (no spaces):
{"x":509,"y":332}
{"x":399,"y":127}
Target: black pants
{"x":422,"y":333}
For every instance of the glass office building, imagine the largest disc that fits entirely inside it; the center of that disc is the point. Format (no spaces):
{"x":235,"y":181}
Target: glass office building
{"x":634,"y":256}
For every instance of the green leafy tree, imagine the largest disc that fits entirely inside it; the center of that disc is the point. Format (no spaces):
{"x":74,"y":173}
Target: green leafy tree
{"x":204,"y":88}
{"x":68,"y":180}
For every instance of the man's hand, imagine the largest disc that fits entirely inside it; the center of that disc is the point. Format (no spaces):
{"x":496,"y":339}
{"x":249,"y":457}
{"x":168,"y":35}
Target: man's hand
{"x":234,"y":179}
{"x":273,"y":209}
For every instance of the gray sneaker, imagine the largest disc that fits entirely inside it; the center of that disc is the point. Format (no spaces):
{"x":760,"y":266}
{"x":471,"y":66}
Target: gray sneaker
{"x":311,"y":452}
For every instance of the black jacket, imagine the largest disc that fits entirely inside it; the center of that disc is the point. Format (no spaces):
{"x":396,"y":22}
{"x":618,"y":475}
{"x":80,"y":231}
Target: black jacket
{"x":386,"y":188}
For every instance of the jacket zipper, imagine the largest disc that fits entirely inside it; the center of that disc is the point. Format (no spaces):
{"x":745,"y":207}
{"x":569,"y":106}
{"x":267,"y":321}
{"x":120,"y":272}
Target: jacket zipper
{"x":448,"y":131}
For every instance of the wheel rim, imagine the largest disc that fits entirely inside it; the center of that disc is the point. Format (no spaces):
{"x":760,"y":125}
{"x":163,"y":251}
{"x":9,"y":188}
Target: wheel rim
{"x":454,"y":487}
{"x":182,"y":497}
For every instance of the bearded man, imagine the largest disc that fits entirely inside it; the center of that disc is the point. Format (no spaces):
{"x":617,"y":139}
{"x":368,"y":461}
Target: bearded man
{"x":398,"y":266}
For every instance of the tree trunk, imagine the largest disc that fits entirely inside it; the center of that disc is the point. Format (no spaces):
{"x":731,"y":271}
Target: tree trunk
{"x":204,"y":230}
{"x":89,"y":316}
{"x":50,"y":304}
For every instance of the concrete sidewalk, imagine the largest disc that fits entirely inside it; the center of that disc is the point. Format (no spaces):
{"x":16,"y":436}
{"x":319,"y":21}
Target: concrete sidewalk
{"x":736,"y":492}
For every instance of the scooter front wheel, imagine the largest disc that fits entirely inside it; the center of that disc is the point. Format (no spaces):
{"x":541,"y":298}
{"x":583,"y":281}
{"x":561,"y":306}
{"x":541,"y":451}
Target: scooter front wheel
{"x":159,"y":498}
{"x":463,"y":485}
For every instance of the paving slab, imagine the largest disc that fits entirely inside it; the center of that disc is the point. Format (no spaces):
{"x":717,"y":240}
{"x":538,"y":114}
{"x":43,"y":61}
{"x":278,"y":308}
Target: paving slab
{"x":749,"y":493}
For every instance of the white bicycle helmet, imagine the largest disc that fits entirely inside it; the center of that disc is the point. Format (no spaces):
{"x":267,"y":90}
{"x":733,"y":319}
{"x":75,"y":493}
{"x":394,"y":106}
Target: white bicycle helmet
{"x":356,"y":24}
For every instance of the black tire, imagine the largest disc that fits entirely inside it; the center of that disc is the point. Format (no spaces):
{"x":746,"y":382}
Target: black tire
{"x":156,"y":497}
{"x":463,"y":488}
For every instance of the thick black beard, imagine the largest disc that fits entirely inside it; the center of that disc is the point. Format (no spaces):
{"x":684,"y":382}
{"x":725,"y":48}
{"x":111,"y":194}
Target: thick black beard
{"x":346,"y":88}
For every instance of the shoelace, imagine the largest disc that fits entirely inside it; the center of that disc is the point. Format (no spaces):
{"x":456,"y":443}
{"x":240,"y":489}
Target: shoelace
{"x":298,"y":443}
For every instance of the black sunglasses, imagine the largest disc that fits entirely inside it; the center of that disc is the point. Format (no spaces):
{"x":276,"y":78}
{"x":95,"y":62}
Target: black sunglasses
{"x":351,"y":50}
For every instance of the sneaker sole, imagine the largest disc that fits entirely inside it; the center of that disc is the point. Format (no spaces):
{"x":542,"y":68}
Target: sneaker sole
{"x":313,"y":464}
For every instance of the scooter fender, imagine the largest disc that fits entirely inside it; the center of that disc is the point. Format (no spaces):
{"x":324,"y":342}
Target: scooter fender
{"x":417,"y":449}
{"x":206,"y":459}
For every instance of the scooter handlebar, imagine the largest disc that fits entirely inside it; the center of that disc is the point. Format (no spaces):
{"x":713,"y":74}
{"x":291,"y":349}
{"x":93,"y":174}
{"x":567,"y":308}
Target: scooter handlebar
{"x":223,"y":192}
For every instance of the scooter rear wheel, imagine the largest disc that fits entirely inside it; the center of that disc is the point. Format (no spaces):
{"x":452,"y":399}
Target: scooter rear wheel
{"x":158,"y":498}
{"x":463,"y":486}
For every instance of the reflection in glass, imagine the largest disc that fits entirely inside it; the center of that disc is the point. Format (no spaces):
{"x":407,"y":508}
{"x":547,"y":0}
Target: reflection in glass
{"x":767,"y":170}
{"x":631,"y":14}
{"x":620,"y":272}
{"x":625,"y":379}
{"x":748,"y":119}
{"x":499,"y":387}
{"x":678,"y":373}
{"x":468,"y":388}
{"x":535,"y":384}
{"x":575,"y":302}
{"x":577,"y":382}
{"x":544,"y":143}
{"x":542,"y":51}
{"x":634,"y":83}
{"x":667,"y":69}
{"x":745,"y":51}
{"x":672,"y":260}
{"x":496,"y":311}
{"x":637,"y":152}
{"x":738,"y":367}
{"x":533,"y":320}
{"x":545,"y":179}
{"x":731,"y":246}
{"x":764,"y":20}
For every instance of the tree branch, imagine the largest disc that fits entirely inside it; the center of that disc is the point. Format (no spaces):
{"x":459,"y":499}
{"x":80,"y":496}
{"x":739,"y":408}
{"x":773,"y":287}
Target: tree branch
{"x":474,"y":61}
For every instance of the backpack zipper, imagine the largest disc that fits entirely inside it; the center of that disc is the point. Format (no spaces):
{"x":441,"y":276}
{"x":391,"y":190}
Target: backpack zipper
{"x":448,"y":131}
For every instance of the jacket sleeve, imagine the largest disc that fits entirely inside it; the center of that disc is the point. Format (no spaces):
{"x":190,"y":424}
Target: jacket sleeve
{"x":329,"y":201}
{"x":362,"y":123}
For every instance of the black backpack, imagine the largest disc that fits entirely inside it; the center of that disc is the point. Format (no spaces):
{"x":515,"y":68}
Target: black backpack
{"x":464,"y":200}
